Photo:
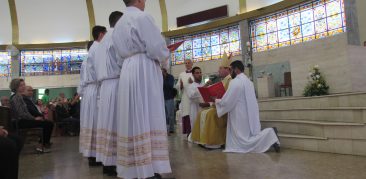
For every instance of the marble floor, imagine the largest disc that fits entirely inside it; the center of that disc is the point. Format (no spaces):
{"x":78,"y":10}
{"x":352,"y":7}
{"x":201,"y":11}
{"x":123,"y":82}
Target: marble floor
{"x":189,"y":161}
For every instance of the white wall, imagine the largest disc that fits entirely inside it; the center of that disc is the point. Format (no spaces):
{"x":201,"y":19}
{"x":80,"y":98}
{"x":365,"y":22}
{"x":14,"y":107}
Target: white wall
{"x":5,"y":21}
{"x":103,"y":8}
{"x":56,"y":81}
{"x":256,"y":4}
{"x":52,"y":21}
{"x":153,"y":8}
{"x":177,"y":8}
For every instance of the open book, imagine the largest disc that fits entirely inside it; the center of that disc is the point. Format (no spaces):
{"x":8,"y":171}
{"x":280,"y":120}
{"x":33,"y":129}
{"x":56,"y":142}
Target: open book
{"x":173,"y":47}
{"x":215,"y":91}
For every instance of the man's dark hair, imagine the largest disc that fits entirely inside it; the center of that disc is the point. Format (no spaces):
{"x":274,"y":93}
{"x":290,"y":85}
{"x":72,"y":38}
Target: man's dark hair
{"x":114,"y":17}
{"x":194,"y":69}
{"x":90,"y":43}
{"x":128,"y":2}
{"x":97,"y":30}
{"x":47,"y":91}
{"x":237,"y":64}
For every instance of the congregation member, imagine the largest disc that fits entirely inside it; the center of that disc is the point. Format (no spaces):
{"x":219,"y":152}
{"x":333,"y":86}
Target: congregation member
{"x":42,"y":108}
{"x":89,"y":90}
{"x":107,"y":72}
{"x":142,"y":136}
{"x":181,"y":86}
{"x":169,"y":93}
{"x":4,"y":101}
{"x":46,"y":97}
{"x":210,"y":130}
{"x":75,"y":106}
{"x":10,"y":147}
{"x":195,"y":98}
{"x":243,"y":128}
{"x":23,"y":119}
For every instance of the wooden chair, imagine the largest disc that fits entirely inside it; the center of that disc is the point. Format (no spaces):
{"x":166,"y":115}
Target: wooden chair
{"x":287,"y":84}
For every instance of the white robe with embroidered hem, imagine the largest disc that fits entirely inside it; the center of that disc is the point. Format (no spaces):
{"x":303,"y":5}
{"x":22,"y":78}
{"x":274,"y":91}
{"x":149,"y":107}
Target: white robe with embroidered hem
{"x":195,"y":99}
{"x":107,"y":70}
{"x":88,"y":108}
{"x":142,"y":146}
{"x":243,"y":126}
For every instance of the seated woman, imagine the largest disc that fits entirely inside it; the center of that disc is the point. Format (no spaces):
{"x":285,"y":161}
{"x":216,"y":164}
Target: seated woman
{"x":42,"y":108}
{"x":22,"y":118}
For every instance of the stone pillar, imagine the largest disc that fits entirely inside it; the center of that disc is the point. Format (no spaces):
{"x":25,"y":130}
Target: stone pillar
{"x":15,"y":66}
{"x":246,"y":50}
{"x":352,"y":22}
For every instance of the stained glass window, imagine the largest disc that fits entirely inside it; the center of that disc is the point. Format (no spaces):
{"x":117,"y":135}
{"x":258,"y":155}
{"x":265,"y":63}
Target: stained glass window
{"x":52,"y":62}
{"x":5,"y":64}
{"x":305,"y":22}
{"x":207,"y":46}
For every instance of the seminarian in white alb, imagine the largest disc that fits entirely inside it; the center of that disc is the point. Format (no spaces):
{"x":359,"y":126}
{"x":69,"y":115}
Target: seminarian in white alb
{"x":147,"y":89}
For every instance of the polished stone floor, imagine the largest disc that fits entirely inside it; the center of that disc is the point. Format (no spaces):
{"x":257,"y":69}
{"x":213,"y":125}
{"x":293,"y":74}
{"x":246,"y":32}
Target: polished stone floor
{"x":192,"y":162}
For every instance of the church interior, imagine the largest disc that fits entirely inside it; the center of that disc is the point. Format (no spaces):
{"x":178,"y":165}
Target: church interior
{"x":306,"y":59}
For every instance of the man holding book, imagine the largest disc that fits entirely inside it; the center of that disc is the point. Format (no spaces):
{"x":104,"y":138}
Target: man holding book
{"x":210,"y":130}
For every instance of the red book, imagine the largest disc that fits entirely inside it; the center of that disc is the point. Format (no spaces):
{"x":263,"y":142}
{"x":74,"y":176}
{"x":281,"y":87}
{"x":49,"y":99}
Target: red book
{"x":215,"y":91}
{"x":173,"y":47}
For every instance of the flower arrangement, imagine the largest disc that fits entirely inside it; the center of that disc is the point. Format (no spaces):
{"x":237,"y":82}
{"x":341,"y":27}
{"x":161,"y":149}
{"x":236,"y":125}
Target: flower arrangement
{"x":317,"y":85}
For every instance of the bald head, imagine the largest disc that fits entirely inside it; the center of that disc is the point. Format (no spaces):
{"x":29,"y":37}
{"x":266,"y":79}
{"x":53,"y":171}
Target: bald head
{"x":28,"y":91}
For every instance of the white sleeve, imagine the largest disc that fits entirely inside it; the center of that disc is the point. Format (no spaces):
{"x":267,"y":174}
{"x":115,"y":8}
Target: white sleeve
{"x":229,"y":100}
{"x":193,"y":93}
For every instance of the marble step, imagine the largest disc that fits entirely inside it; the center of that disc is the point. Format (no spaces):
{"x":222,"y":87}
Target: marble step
{"x":334,"y":130}
{"x":331,"y":114}
{"x":335,"y":100}
{"x":320,"y":144}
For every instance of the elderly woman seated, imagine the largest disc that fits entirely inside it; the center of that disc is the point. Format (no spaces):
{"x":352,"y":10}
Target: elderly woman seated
{"x":21,"y":116}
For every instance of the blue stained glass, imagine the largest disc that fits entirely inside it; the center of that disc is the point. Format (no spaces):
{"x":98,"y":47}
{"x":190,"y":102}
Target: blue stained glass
{"x":179,"y":56}
{"x":187,"y":45}
{"x":307,"y":16}
{"x":197,"y":53}
{"x":333,"y":8}
{"x":215,"y":39}
{"x":234,"y":35}
{"x":224,"y":37}
{"x":319,"y":12}
{"x":294,"y":19}
{"x":216,"y":50}
{"x":282,"y":23}
{"x":206,"y":41}
{"x":308,"y":29}
{"x":197,"y":43}
{"x":206,"y":52}
{"x":283,"y":35}
{"x":188,"y":54}
{"x":260,"y":29}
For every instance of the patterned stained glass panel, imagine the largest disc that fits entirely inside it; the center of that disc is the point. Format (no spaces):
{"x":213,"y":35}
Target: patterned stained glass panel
{"x":215,"y":50}
{"x":208,"y":45}
{"x":235,"y":46}
{"x":234,"y":35}
{"x":283,"y":35}
{"x":282,"y":23}
{"x":334,"y":22}
{"x":224,"y":37}
{"x":294,"y":19}
{"x":307,"y":16}
{"x":333,"y":7}
{"x":5,"y":64}
{"x":272,"y":38}
{"x":319,"y":12}
{"x":307,"y":21}
{"x":215,"y":38}
{"x":187,"y":44}
{"x":271,"y":26}
{"x":197,"y":43}
{"x":206,"y":41}
{"x":308,"y":29}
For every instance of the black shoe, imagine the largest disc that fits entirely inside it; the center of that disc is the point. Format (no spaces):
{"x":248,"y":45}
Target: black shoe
{"x":157,"y":176}
{"x":276,"y":147}
{"x":93,"y":162}
{"x":110,"y":170}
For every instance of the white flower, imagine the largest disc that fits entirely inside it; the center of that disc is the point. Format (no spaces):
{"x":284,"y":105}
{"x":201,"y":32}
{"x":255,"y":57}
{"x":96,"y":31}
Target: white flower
{"x":320,"y":85}
{"x":317,"y":76}
{"x":316,"y":66}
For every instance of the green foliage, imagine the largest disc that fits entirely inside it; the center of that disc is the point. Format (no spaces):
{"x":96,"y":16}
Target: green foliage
{"x":317,"y":85}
